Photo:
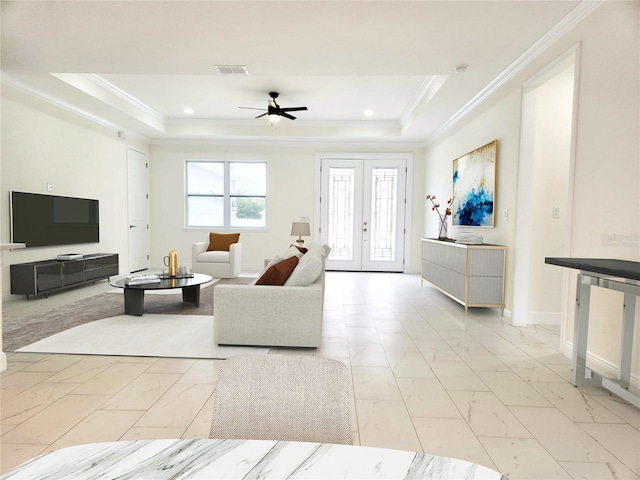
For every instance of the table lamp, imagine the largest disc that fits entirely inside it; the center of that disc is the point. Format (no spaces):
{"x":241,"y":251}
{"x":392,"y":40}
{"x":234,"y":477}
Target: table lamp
{"x":300,"y":229}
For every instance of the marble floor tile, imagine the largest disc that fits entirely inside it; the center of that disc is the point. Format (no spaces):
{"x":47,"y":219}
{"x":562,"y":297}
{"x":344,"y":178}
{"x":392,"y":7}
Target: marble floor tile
{"x":598,"y":471}
{"x":425,"y":397}
{"x":512,"y":390}
{"x":451,"y":437}
{"x":367,"y":355}
{"x":18,"y":382}
{"x":386,"y":422}
{"x":530,"y":370}
{"x":203,"y":371}
{"x":83,"y":370}
{"x":399,"y":318}
{"x":392,"y":341}
{"x":99,"y":426}
{"x":532,"y":346}
{"x":375,"y":383}
{"x":621,"y":408}
{"x":487,"y":416}
{"x":497,"y":345}
{"x":409,"y":364}
{"x":153,"y":433}
{"x":171,"y":365}
{"x":333,"y":347}
{"x":623,"y":441}
{"x":523,"y":459}
{"x":143,"y":393}
{"x":576,"y":404}
{"x":178,"y":407}
{"x":46,"y":426}
{"x":456,"y":376}
{"x":26,"y":404}
{"x":112,"y":379}
{"x":14,"y":454}
{"x":564,"y":439}
{"x":200,"y":427}
{"x":54,"y":363}
{"x":479,"y":359}
{"x":362,"y":335}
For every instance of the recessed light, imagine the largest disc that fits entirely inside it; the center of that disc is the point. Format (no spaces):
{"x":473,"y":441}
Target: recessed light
{"x":188,"y":110}
{"x":368,"y":113}
{"x":462,"y":68}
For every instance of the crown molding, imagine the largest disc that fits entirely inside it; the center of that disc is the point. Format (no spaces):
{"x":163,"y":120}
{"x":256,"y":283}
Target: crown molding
{"x":573,"y":18}
{"x":12,"y":82}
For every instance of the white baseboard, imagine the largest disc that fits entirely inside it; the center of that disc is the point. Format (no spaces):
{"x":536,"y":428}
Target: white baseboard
{"x":3,"y":361}
{"x":544,"y":318}
{"x":601,"y":366}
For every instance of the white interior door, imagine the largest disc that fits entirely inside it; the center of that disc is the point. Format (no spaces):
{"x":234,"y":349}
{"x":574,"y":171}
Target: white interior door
{"x":138,"y":201}
{"x":362,"y":213}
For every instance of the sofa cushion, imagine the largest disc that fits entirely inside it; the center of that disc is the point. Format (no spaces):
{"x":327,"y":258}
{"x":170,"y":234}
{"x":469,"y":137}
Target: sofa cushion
{"x":222,"y":241}
{"x":278,"y":273}
{"x":214,"y":257}
{"x":308,"y":270}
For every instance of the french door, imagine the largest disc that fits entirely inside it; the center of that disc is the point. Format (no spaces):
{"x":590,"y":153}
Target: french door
{"x":362,"y":213}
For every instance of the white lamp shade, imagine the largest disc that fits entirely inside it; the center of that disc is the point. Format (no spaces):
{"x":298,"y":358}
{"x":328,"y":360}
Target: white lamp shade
{"x":300,"y":229}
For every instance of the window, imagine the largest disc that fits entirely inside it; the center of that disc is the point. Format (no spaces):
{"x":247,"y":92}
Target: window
{"x":226,"y":194}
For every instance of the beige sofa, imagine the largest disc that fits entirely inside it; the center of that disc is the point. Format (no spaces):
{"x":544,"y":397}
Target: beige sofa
{"x":274,"y":316}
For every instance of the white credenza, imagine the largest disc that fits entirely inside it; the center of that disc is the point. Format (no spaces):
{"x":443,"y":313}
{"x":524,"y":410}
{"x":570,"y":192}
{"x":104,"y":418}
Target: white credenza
{"x":472,"y":275}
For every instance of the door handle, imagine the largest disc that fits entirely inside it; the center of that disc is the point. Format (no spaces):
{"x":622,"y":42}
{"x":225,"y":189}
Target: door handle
{"x":132,"y":226}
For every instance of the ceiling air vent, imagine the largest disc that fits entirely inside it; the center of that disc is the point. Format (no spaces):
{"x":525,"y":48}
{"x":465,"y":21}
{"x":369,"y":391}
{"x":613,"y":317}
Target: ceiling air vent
{"x":231,"y":69}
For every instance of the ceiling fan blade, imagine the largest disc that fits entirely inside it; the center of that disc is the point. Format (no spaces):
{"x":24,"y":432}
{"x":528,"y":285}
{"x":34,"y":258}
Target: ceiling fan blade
{"x":252,"y":108}
{"x":293,"y":109}
{"x":265,"y":113}
{"x":286,"y":115}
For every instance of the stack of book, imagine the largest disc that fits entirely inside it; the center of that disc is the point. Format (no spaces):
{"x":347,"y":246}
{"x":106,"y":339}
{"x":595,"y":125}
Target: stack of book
{"x":469,"y":238}
{"x":141,"y":279}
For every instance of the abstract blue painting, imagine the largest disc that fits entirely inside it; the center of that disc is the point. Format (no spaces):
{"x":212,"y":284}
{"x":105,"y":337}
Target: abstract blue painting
{"x":474,"y":187}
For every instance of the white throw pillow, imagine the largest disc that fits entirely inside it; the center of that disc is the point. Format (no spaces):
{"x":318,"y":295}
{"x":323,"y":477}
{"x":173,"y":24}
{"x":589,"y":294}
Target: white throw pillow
{"x":308,"y":270}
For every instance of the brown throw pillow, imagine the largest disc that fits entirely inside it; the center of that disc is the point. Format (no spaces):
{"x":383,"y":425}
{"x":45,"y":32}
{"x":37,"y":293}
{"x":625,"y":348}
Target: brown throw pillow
{"x":279,"y":273}
{"x":220,"y":242}
{"x":301,"y":249}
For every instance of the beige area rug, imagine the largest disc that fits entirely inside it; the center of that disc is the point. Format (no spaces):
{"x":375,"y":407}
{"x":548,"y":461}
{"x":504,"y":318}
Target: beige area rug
{"x":151,"y":335}
{"x":98,"y":326}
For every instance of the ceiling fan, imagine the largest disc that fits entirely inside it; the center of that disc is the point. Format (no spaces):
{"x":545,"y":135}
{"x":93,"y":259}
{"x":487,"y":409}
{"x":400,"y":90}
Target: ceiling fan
{"x":274,"y":111}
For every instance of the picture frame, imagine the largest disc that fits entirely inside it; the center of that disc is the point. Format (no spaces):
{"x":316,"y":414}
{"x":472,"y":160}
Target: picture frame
{"x":474,"y":187}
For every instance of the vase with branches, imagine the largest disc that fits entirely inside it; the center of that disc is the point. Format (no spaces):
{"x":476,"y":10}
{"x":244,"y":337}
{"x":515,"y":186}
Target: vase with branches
{"x":442,"y":235}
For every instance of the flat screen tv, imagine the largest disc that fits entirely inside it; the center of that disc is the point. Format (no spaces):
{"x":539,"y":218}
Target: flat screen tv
{"x":40,"y":220}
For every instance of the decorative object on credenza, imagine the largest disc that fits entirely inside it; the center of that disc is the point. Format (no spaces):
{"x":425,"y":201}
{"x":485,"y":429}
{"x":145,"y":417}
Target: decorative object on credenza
{"x":469,"y":238}
{"x":300,"y":229}
{"x":442,"y":233}
{"x":474,"y":187}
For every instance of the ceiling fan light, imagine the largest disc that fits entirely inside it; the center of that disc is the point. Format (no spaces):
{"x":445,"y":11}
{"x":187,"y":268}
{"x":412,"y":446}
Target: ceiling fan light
{"x":273,"y":117}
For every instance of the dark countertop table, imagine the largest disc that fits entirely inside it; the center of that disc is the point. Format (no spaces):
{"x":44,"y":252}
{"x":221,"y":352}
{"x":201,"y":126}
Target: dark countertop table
{"x":606,"y":266}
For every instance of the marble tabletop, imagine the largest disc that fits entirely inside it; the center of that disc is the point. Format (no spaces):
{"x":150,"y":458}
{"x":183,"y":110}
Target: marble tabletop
{"x":229,"y":459}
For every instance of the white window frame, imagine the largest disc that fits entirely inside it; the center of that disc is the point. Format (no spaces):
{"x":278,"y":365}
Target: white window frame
{"x":226,"y":196}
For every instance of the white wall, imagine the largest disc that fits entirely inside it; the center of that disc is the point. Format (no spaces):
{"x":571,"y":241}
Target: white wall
{"x":606,"y":195}
{"x":290,"y":195}
{"x":43,"y":144}
{"x":554,"y":110}
{"x":500,"y":121}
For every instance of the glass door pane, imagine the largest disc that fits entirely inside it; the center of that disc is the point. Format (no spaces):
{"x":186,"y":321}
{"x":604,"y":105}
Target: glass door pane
{"x":384,"y":204}
{"x":341,"y":205}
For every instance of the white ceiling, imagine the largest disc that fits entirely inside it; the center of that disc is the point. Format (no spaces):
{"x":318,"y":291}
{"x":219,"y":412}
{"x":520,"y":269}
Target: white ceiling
{"x":136,"y":65}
